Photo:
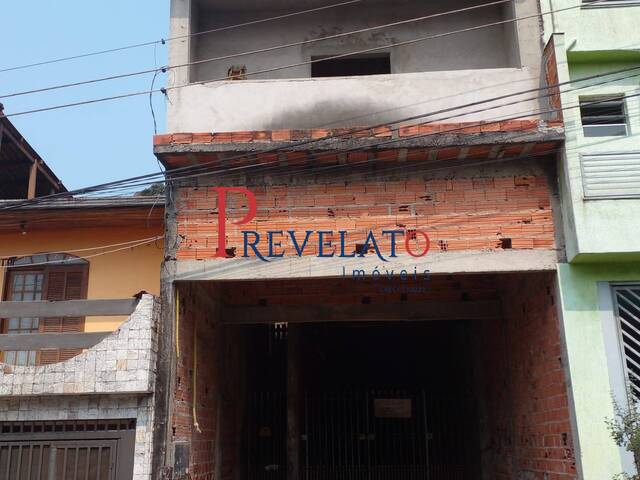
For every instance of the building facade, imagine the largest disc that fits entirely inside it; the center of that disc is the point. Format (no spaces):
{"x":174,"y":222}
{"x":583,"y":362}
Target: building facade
{"x":79,"y":316}
{"x":362,"y":241}
{"x":599,"y":188}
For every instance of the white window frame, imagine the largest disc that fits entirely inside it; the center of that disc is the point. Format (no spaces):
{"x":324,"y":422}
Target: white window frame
{"x":595,"y":98}
{"x":610,"y":3}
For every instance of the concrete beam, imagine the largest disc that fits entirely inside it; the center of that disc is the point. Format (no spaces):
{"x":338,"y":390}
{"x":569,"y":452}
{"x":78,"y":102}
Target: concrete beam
{"x":402,"y":311}
{"x":464,"y":262}
{"x":343,"y":143}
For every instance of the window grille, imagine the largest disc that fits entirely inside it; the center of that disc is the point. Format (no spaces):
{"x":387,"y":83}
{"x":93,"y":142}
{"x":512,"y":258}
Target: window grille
{"x":627,"y":309}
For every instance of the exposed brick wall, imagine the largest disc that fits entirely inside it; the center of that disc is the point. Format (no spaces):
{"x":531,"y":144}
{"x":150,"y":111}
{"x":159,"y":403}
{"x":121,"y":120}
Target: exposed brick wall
{"x":551,"y":77}
{"x":467,"y":212}
{"x":522,"y":392}
{"x":520,"y":125}
{"x":202,"y":443}
{"x":214,"y":443}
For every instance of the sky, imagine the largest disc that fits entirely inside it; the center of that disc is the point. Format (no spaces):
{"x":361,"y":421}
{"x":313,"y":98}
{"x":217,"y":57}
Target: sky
{"x":90,"y":144}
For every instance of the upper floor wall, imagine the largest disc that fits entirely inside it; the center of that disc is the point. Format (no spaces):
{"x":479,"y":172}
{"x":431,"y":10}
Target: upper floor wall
{"x":604,"y":26}
{"x":600,"y":165}
{"x":291,"y":88}
{"x":126,"y":268}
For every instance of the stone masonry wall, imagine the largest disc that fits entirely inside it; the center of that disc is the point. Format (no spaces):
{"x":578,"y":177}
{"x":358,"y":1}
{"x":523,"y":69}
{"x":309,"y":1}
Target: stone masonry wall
{"x":112,"y":380}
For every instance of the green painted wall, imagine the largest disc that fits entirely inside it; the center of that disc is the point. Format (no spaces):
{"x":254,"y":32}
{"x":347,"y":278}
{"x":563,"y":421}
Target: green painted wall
{"x":587,"y":362}
{"x":593,"y":28}
{"x":598,"y":226}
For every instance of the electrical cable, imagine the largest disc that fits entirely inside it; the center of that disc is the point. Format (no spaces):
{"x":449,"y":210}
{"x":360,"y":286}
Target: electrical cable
{"x":278,"y":68}
{"x":57,"y":262}
{"x":123,"y":183}
{"x":88,"y":249}
{"x":178,"y":37}
{"x":250,"y":52}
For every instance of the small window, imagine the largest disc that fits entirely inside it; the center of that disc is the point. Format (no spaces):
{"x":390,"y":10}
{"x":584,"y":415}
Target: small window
{"x":352,"y":66}
{"x":603,"y":116}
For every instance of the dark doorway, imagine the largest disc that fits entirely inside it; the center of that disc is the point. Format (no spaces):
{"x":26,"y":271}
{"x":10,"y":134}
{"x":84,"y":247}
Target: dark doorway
{"x":378,"y":64}
{"x":378,"y":401}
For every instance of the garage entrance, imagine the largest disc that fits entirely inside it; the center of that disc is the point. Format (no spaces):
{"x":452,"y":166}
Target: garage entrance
{"x":338,"y":379}
{"x":377,"y":401}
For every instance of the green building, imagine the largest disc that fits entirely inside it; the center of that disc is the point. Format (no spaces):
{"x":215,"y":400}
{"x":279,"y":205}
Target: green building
{"x":599,"y":183}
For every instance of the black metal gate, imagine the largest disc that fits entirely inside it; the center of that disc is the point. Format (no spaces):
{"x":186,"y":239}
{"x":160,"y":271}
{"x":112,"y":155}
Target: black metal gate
{"x":373,"y":434}
{"x":67,"y":451}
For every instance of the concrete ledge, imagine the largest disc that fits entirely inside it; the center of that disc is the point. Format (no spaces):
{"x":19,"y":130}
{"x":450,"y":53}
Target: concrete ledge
{"x":348,"y":143}
{"x":481,"y":261}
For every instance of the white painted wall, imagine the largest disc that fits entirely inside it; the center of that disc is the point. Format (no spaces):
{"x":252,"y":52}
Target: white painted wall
{"x":428,"y":76}
{"x":354,"y":101}
{"x":486,"y":48}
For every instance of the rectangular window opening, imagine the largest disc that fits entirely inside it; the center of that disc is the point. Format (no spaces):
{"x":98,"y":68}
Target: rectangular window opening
{"x":603,"y":116}
{"x":378,"y":64}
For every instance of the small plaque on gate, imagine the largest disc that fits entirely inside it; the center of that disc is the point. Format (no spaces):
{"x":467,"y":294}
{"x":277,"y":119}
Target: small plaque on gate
{"x":392,"y":407}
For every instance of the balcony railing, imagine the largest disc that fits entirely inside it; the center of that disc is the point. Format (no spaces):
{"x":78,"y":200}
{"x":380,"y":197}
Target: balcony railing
{"x":69,"y":308}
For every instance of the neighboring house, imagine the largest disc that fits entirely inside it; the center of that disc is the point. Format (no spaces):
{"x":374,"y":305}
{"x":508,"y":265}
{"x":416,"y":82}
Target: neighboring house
{"x":283,"y":353}
{"x":600,"y":192}
{"x":78,"y":325}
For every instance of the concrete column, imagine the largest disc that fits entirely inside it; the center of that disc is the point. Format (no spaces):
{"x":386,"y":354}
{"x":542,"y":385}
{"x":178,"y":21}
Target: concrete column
{"x":179,"y":53}
{"x":294,"y":401}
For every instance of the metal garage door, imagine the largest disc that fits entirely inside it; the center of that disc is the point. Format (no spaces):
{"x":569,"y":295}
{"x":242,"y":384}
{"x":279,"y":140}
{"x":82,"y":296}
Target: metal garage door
{"x":67,"y":451}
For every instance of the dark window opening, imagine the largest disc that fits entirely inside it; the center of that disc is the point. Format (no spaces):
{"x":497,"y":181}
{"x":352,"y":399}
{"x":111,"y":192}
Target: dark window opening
{"x":351,"y":66}
{"x":603,"y":117}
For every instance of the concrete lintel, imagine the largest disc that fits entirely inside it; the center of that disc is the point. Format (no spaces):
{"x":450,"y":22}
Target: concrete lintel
{"x":479,"y":261}
{"x":341,"y":143}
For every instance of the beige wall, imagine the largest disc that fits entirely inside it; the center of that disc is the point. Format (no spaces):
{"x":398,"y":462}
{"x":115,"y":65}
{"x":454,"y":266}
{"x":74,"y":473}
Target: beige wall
{"x":113,"y":275}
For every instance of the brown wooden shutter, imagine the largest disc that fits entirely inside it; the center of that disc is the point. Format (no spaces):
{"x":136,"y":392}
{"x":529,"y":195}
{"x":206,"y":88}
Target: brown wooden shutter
{"x":63,"y":284}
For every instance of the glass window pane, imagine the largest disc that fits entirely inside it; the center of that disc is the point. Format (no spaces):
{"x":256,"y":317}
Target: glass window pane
{"x":605,"y":130}
{"x":25,"y":323}
{"x":18,"y":281}
{"x":10,"y":358}
{"x":21,"y":358}
{"x":14,"y":323}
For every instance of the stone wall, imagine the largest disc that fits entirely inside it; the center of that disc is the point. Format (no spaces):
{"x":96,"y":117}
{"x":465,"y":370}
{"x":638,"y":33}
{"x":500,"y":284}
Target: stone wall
{"x":112,"y":380}
{"x":124,"y":362}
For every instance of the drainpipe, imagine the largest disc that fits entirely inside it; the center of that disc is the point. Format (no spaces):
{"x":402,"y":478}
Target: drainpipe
{"x":553,"y":16}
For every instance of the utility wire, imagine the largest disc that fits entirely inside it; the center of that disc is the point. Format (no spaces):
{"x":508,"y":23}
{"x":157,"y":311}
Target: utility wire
{"x":88,"y":249}
{"x":284,"y":67}
{"x":130,"y":182}
{"x":178,"y":37}
{"x":134,"y":181}
{"x":251,"y":52}
{"x":134,"y":245}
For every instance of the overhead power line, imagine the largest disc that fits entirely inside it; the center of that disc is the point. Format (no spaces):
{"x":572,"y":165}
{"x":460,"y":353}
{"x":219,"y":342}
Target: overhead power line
{"x":135,"y":181}
{"x":252,"y":52}
{"x":284,"y":67}
{"x":86,"y":257}
{"x":178,"y":37}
